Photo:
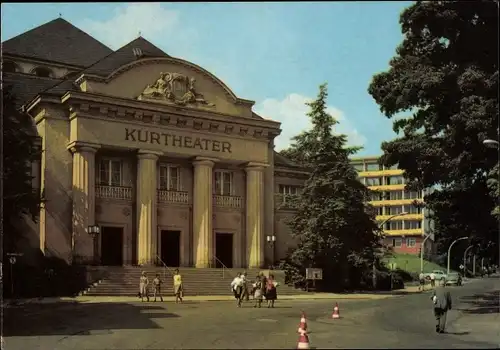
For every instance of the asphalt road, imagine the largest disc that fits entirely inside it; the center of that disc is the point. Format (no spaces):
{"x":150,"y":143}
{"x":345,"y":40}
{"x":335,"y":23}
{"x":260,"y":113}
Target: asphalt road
{"x":398,"y":322}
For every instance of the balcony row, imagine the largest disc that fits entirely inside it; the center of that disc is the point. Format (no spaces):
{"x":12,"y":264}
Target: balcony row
{"x":284,"y":201}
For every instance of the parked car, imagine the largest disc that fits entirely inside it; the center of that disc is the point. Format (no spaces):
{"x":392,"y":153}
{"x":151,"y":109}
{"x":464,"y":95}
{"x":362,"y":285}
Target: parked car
{"x":454,"y":278}
{"x":439,"y":274}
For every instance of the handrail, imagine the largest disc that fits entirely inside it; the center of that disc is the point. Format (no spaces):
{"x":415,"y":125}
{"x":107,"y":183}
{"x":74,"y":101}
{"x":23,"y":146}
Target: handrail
{"x":223,"y":266}
{"x":165,"y":267}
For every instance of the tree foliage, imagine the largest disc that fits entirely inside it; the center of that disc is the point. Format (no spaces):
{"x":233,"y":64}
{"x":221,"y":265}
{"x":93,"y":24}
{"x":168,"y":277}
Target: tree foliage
{"x":19,"y":151}
{"x":333,"y":223}
{"x":445,"y":73}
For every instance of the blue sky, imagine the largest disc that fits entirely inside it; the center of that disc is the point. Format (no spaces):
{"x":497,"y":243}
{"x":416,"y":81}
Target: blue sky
{"x":276,"y":54}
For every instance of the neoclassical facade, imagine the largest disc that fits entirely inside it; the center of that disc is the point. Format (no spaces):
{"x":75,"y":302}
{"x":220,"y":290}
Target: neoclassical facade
{"x":156,"y":151}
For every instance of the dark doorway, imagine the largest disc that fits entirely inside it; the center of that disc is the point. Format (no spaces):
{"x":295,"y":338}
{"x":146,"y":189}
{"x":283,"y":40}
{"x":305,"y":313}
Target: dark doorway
{"x":111,"y":246}
{"x":224,"y":249}
{"x":170,"y":249}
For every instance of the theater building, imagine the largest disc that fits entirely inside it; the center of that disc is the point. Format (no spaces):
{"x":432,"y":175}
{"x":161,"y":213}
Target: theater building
{"x":156,"y":151}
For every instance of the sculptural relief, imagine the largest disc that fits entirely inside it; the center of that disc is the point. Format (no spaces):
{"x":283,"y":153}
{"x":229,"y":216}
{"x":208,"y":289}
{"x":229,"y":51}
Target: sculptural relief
{"x":174,"y":88}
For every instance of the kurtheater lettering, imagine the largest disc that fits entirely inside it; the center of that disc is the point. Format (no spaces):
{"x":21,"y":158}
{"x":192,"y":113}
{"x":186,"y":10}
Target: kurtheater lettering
{"x":163,"y":139}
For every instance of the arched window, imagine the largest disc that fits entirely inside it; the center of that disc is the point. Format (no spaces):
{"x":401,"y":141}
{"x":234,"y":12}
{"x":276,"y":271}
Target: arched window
{"x":71,"y":75}
{"x":10,"y":67}
{"x":43,"y":72}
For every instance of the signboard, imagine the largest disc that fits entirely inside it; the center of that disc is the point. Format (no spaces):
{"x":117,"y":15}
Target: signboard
{"x":462,"y":267}
{"x":12,"y":260}
{"x":314,"y":274}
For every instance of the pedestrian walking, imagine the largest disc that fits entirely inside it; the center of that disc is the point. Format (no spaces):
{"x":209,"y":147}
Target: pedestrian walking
{"x":433,"y":280}
{"x":143,"y":286}
{"x":421,"y":279}
{"x":157,"y":287}
{"x":441,"y":298}
{"x":258,"y":291}
{"x":246,"y":292}
{"x":271,"y":293}
{"x":237,"y":288}
{"x":178,"y":286}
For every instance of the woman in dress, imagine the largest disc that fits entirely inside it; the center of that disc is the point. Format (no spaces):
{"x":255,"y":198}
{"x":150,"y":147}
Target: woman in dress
{"x":271,"y":294}
{"x":258,"y":291}
{"x":143,"y":286}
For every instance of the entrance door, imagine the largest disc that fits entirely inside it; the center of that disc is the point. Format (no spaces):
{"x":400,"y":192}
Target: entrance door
{"x":111,"y":246}
{"x":170,"y":248}
{"x":224,"y":249}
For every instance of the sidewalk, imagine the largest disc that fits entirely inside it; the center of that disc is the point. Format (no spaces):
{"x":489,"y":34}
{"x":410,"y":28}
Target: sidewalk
{"x":128,"y":299}
{"x":480,"y":327}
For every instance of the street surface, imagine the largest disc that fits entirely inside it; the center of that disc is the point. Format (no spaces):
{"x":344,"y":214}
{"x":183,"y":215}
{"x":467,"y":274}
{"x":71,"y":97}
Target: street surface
{"x":396,"y":322}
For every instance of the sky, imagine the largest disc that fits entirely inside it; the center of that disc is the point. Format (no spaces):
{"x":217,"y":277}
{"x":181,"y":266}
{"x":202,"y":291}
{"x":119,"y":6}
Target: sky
{"x":274,"y":53}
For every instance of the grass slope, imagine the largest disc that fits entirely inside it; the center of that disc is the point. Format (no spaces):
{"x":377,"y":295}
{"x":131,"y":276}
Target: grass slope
{"x":411,"y":263}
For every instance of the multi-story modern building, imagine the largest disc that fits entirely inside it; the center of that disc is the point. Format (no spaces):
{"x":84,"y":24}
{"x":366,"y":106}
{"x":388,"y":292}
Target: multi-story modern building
{"x":390,"y":197}
{"x":156,"y":151}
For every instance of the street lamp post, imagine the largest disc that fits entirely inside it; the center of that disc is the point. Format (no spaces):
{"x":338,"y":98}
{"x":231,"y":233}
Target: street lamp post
{"x":94,"y":231}
{"x":465,"y":259}
{"x":422,"y":248}
{"x":271,"y":240}
{"x":449,"y":251}
{"x":381,"y":226}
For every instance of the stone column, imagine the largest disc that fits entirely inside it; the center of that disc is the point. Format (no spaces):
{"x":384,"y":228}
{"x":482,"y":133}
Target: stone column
{"x":269,"y":225}
{"x":83,"y":191}
{"x":147,"y":228}
{"x":255,"y":215}
{"x":202,"y":212}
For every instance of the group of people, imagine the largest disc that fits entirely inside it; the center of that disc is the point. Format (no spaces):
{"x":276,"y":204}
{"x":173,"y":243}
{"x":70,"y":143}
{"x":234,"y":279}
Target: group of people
{"x":262,"y":287}
{"x":144,"y":287}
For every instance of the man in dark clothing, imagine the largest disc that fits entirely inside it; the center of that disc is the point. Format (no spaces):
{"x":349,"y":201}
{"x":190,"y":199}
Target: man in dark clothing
{"x":441,"y":298}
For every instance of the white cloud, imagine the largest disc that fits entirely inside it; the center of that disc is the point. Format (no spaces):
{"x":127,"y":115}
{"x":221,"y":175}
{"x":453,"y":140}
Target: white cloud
{"x":291,"y":112}
{"x":152,"y":20}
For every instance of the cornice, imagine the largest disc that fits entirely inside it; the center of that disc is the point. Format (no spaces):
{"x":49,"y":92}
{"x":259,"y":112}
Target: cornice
{"x":101,"y":107}
{"x":178,"y":61}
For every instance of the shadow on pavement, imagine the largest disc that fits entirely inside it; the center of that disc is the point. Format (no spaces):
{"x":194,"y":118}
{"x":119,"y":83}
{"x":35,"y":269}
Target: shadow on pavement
{"x":457,"y":333}
{"x":484,"y":303}
{"x":79,"y":319}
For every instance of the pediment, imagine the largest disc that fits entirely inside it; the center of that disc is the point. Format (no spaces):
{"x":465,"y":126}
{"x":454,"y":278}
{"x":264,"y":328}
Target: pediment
{"x":169,"y":81}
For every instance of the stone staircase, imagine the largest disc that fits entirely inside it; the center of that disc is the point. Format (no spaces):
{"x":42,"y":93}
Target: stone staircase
{"x":124,"y":280}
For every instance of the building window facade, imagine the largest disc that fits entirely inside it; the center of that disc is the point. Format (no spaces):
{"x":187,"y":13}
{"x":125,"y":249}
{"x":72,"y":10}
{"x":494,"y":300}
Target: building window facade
{"x":413,"y":225}
{"x":359,"y":167}
{"x":394,"y":225}
{"x":43,"y":72}
{"x":413,"y":209}
{"x":373,"y":181}
{"x":411,"y":195}
{"x":375,"y":196}
{"x":169,"y":178}
{"x":224,"y":183}
{"x":289,"y":189}
{"x":110,"y":172}
{"x":411,"y":242}
{"x":373,"y":167}
{"x":393,"y":210}
{"x":395,"y":195}
{"x":395,"y":180}
{"x":397,"y":242}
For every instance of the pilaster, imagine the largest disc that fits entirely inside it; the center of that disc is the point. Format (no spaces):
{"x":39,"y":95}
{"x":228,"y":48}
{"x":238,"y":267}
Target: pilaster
{"x":202,"y":211}
{"x":147,"y":235}
{"x":255,"y":215}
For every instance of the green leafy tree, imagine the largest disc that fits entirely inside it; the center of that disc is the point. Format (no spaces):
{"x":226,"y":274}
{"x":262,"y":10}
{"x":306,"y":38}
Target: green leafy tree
{"x":445,"y":73}
{"x":19,"y":151}
{"x":333,"y":224}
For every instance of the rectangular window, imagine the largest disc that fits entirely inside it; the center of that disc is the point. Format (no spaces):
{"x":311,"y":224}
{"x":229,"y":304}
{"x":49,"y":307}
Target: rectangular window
{"x":393,"y":210}
{"x":110,"y":172}
{"x":289,"y":189}
{"x":373,"y":167}
{"x":393,"y":167}
{"x":394,"y":225}
{"x":359,"y":167}
{"x":224,"y":183}
{"x":411,"y":209}
{"x":169,"y":178}
{"x":411,"y":195}
{"x":413,"y":225}
{"x":375,"y":196}
{"x":373,"y":181}
{"x":380,"y":210}
{"x":397,"y":242}
{"x":395,"y":195}
{"x":411,"y":242}
{"x":395,"y":180}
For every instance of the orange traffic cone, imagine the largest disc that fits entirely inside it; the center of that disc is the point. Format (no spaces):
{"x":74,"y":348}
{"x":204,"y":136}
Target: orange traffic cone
{"x":303,"y":338}
{"x":336,"y":312}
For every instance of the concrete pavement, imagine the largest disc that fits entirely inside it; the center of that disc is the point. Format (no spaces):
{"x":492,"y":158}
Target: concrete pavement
{"x":398,"y":322}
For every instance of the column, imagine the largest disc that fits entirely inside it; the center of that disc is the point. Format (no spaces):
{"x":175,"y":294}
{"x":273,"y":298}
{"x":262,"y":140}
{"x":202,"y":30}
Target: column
{"x":147,"y":234}
{"x":202,"y":212}
{"x":255,"y":216}
{"x":269,"y":224}
{"x":83,"y":191}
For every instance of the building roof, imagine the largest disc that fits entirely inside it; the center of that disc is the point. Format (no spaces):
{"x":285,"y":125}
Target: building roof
{"x":26,"y":87}
{"x":124,"y":55}
{"x":57,"y":41}
{"x":281,"y":160}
